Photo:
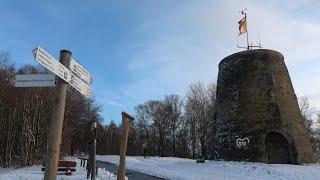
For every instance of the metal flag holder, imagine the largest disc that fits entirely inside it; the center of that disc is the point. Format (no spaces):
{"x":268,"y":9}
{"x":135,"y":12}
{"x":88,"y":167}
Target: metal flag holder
{"x":249,"y":46}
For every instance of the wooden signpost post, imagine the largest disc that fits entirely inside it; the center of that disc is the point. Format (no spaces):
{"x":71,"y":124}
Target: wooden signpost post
{"x":54,"y":140}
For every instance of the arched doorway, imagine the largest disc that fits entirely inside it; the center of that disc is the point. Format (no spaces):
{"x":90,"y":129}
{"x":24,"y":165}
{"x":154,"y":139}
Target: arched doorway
{"x":278,"y":148}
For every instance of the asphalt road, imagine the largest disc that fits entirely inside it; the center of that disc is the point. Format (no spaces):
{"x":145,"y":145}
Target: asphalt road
{"x":132,"y":175}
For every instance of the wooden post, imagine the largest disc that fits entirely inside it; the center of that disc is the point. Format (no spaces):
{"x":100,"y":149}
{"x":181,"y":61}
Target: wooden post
{"x":54,"y":139}
{"x":89,"y":162}
{"x":94,"y":149}
{"x":126,"y":118}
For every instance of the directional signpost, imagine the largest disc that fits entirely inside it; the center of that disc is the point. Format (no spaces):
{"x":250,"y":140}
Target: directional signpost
{"x":67,"y":71}
{"x":34,"y":80}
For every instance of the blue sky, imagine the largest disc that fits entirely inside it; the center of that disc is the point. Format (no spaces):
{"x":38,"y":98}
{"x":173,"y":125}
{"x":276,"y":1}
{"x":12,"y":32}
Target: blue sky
{"x":140,"y":50}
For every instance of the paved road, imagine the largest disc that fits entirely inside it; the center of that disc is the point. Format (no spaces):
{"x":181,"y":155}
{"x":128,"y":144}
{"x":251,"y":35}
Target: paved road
{"x":132,"y":175}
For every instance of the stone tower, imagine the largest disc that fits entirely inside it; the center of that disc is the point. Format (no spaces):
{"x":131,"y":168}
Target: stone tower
{"x":257,"y":114}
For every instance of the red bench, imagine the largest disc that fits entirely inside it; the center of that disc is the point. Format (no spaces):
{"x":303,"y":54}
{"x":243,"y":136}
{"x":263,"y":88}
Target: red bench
{"x":66,"y":166}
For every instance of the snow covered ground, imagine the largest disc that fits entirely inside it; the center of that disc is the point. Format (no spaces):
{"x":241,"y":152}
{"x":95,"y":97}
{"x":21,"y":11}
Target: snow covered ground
{"x":35,"y":173}
{"x":179,"y":168}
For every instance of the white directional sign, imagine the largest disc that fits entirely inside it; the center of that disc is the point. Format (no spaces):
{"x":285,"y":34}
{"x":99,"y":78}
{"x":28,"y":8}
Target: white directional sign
{"x":60,"y":70}
{"x":52,"y":64}
{"x":82,"y":73}
{"x":80,"y":86}
{"x":34,"y":80}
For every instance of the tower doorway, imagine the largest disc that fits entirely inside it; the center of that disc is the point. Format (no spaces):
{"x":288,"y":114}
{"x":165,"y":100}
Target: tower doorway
{"x":278,"y":148}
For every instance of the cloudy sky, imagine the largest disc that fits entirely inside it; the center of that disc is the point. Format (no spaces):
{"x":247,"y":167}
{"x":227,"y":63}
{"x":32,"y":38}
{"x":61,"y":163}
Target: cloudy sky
{"x":144,"y":49}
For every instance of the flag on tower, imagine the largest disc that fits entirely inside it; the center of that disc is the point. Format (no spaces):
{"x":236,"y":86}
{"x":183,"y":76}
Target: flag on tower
{"x":242,"y":26}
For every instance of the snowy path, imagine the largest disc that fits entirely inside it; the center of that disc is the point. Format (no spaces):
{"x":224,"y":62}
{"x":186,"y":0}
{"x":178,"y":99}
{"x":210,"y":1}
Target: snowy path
{"x":132,"y":175}
{"x":180,"y":168}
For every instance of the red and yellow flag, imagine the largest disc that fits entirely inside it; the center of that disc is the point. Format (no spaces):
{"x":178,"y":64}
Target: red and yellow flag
{"x":242,"y":26}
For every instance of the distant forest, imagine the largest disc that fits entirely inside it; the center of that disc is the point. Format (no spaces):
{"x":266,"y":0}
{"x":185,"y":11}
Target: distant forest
{"x":173,"y":126}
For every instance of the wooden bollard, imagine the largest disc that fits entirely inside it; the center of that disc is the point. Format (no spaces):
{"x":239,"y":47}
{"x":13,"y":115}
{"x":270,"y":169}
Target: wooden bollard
{"x":126,"y":120}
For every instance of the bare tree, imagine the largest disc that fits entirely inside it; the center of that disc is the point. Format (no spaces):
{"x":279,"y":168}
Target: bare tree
{"x":307,"y":112}
{"x":174,"y":107}
{"x":172,"y":127}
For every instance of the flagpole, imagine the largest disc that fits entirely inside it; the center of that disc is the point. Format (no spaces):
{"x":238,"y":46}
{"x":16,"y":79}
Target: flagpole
{"x":245,"y":16}
{"x":243,"y":28}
